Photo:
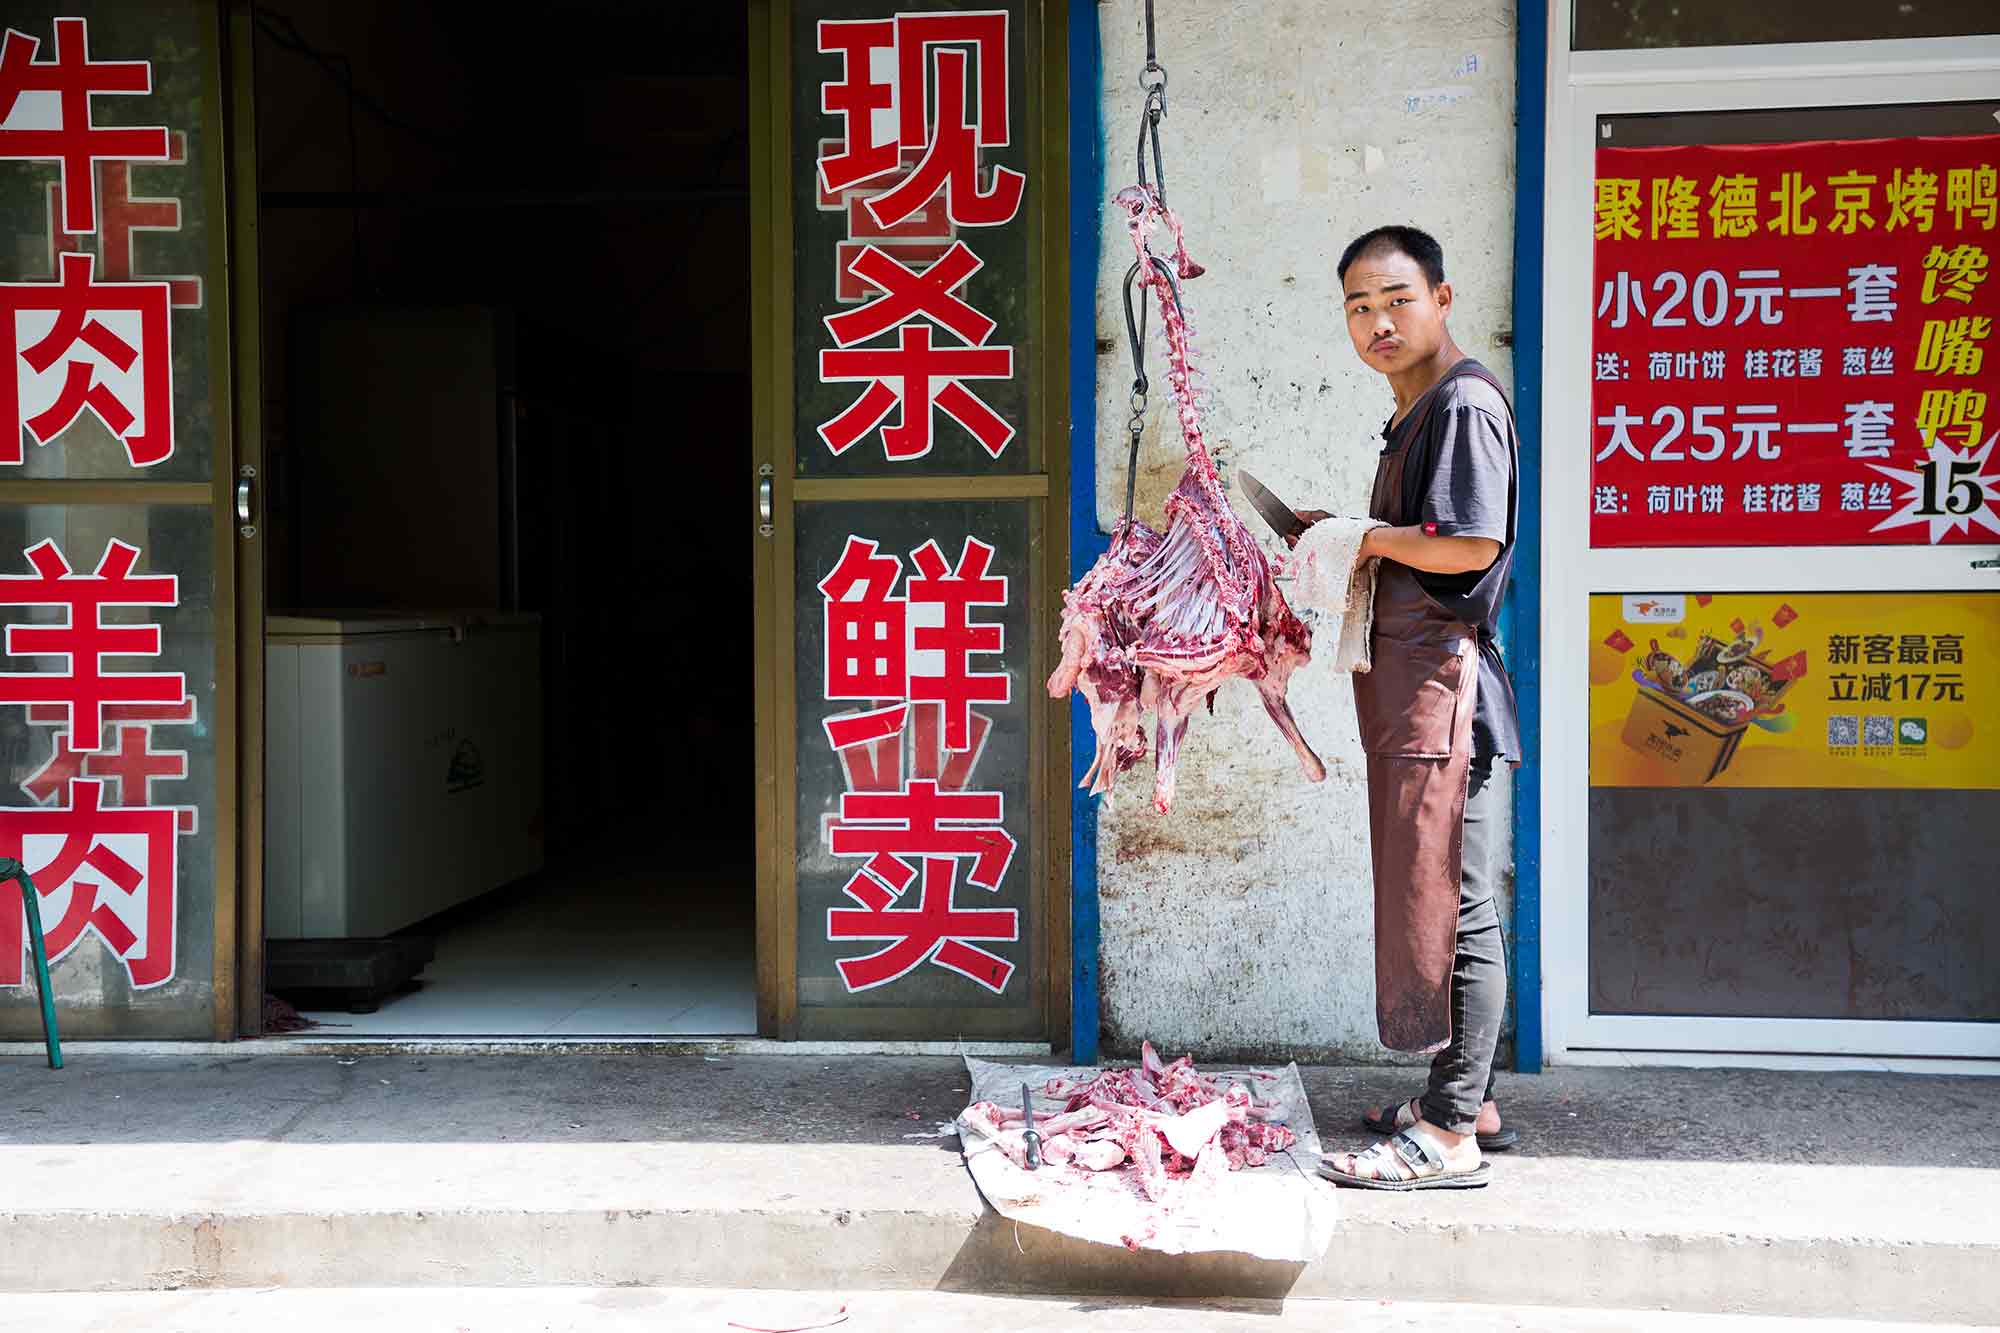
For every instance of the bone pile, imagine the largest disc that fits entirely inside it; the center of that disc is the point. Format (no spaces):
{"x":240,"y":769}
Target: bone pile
{"x":1177,"y":1130}
{"x":1160,"y":622}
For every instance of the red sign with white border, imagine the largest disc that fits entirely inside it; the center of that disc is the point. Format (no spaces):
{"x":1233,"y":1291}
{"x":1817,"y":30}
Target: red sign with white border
{"x":1791,"y":344}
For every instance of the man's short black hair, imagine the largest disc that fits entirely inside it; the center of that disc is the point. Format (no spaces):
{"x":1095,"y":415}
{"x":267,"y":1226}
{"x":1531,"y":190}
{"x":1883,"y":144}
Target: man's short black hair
{"x":1418,"y":245}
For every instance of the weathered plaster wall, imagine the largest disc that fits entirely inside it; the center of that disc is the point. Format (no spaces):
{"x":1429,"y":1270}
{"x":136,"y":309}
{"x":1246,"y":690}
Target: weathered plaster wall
{"x":1241,"y":921}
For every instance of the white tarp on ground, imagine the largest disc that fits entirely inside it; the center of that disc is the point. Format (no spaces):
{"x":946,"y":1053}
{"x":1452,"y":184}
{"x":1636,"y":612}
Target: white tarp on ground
{"x":1281,"y":1210}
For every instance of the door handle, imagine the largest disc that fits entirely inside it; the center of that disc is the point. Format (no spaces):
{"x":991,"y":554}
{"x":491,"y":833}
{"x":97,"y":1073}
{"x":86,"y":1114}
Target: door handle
{"x":246,"y":480}
{"x":764,"y":499}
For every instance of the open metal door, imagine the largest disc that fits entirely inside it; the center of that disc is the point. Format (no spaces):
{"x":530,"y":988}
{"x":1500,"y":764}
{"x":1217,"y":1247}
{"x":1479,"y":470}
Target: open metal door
{"x":119,"y":534}
{"x":905,"y":507}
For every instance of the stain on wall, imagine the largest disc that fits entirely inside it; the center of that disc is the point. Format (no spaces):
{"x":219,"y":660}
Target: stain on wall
{"x":1241,"y":922}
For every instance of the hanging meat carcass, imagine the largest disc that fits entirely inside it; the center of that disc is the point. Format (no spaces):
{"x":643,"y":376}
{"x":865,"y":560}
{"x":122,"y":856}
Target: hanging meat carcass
{"x":1160,"y":621}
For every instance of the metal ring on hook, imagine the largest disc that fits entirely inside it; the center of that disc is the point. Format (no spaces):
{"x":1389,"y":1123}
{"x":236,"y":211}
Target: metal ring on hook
{"x":1156,"y":99}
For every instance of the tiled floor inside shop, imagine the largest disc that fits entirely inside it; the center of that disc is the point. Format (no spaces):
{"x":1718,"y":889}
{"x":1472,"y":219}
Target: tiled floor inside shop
{"x":617,"y":947}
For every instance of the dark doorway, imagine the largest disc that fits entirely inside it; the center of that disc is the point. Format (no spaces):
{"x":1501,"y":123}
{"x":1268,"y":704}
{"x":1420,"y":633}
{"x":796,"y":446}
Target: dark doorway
{"x":505,"y":278}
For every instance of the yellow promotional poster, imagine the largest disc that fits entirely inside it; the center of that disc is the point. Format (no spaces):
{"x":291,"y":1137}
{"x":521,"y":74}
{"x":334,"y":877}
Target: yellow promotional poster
{"x":1795,"y":690}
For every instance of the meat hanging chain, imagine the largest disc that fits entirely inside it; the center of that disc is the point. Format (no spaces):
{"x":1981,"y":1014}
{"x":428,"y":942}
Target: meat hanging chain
{"x":1159,"y":622}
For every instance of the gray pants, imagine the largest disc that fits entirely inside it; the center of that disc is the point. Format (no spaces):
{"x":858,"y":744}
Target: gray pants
{"x":1462,"y":1074}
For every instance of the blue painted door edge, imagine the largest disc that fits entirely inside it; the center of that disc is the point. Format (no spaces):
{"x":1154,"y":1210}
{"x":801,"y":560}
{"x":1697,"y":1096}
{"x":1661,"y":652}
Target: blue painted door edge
{"x":1086,"y":542}
{"x":1524,"y":606}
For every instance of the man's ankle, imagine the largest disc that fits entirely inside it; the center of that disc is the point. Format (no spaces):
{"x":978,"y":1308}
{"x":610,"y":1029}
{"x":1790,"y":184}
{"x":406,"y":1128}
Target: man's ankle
{"x":1446,"y":1138}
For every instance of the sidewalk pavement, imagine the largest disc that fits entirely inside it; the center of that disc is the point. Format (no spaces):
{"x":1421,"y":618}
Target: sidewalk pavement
{"x":1811,"y":1195}
{"x":651,"y":1310}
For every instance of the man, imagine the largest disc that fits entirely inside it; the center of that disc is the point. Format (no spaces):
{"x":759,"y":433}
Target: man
{"x":1436,"y":714}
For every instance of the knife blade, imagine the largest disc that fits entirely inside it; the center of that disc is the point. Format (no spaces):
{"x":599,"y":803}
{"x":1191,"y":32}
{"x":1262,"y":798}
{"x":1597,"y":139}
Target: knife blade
{"x":1278,"y":515}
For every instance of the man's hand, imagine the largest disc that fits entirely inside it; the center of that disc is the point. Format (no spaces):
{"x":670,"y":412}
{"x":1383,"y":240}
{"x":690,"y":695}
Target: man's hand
{"x":1307,"y":517}
{"x":1414,"y":547}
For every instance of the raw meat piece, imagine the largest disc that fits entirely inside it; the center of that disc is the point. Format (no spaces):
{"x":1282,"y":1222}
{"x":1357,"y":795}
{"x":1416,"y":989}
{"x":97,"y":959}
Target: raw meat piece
{"x":990,"y":1119}
{"x":1049,"y":1123}
{"x":1099,"y":1155}
{"x":1142,"y":1145}
{"x":1159,"y":622}
{"x":1058,"y":1150}
{"x":1170,"y":1121}
{"x":1190,"y":1132}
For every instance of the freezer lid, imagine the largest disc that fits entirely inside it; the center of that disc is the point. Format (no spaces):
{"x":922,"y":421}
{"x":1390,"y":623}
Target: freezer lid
{"x":319,"y":626}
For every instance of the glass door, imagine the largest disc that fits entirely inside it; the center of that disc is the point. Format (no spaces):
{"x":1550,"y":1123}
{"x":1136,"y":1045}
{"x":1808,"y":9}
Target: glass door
{"x":1773,"y":512}
{"x":118,"y":526}
{"x":906,"y":517}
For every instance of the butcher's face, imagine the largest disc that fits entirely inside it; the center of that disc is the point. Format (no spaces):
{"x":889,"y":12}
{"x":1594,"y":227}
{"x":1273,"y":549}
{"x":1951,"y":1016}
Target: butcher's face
{"x":1394,"y":315}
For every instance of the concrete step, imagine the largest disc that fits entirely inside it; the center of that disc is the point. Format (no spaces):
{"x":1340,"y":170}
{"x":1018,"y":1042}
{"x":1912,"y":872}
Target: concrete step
{"x":649,"y":1310}
{"x":1852,"y":1196}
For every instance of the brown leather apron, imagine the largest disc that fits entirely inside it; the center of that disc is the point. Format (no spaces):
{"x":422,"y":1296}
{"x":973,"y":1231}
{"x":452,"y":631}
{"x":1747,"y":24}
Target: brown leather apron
{"x":1415,"y":708}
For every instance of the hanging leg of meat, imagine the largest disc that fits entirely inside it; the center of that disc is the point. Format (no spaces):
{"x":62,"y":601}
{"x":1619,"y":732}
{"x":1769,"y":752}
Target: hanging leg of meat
{"x":1096,"y":660}
{"x":1287,"y":647}
{"x":1170,"y":731}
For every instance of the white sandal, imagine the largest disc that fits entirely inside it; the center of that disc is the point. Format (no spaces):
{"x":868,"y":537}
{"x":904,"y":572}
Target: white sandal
{"x":1415,"y":1155}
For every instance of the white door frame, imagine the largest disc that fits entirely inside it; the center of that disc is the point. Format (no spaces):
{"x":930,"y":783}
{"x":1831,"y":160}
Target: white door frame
{"x":1582,"y":85}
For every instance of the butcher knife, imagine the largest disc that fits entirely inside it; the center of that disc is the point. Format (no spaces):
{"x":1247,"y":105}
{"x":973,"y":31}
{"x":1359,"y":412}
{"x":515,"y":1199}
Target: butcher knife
{"x":1280,"y":516}
{"x":1029,"y":1133}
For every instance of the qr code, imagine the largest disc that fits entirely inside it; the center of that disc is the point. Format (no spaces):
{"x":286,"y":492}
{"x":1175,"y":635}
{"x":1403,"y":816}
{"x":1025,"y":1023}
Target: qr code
{"x":1843,"y":729}
{"x":1878,"y":730}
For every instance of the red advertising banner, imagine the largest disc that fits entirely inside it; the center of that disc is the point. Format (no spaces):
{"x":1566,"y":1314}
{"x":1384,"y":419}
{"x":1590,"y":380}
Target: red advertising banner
{"x":1790,"y":344}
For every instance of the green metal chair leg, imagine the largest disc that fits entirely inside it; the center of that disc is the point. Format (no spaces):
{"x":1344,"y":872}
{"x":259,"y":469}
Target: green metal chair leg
{"x":31,"y":902}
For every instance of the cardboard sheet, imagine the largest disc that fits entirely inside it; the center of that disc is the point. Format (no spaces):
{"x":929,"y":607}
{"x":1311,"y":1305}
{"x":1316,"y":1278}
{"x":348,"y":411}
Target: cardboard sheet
{"x":1281,"y":1210}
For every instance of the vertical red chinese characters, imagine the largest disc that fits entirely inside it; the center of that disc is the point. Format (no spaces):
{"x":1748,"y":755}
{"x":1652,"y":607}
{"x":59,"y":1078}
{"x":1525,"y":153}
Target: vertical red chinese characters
{"x":1789,"y":344}
{"x":81,"y":343}
{"x":917,"y":98}
{"x":909,"y":755}
{"x":101,"y":835}
{"x":106,"y":866}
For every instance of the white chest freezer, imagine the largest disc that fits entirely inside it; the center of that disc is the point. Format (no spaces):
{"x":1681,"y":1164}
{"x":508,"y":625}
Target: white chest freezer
{"x":403,"y":767}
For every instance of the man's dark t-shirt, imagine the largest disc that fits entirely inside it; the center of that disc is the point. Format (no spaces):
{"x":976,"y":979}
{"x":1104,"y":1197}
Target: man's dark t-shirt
{"x":1463,"y":475}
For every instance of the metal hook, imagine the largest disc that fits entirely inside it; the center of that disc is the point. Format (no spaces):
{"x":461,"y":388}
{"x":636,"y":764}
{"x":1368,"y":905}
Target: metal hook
{"x":1135,"y":323}
{"x":1149,"y":125}
{"x":1135,"y":425}
{"x":1135,"y":332}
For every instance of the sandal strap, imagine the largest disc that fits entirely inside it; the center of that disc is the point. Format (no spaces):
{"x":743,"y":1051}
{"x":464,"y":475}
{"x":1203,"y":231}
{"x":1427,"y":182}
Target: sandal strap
{"x":1380,"y":1160}
{"x":1417,"y":1154}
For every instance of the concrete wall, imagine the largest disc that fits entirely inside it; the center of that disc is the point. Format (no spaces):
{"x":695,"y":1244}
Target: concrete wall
{"x":1241,"y":921}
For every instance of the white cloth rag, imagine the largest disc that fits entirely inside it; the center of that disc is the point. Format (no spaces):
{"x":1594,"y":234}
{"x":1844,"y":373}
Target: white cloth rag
{"x":1329,"y":578}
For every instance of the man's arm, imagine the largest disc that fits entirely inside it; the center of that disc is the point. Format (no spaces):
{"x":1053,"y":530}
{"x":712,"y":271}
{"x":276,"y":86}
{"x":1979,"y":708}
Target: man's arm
{"x":1418,"y":549}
